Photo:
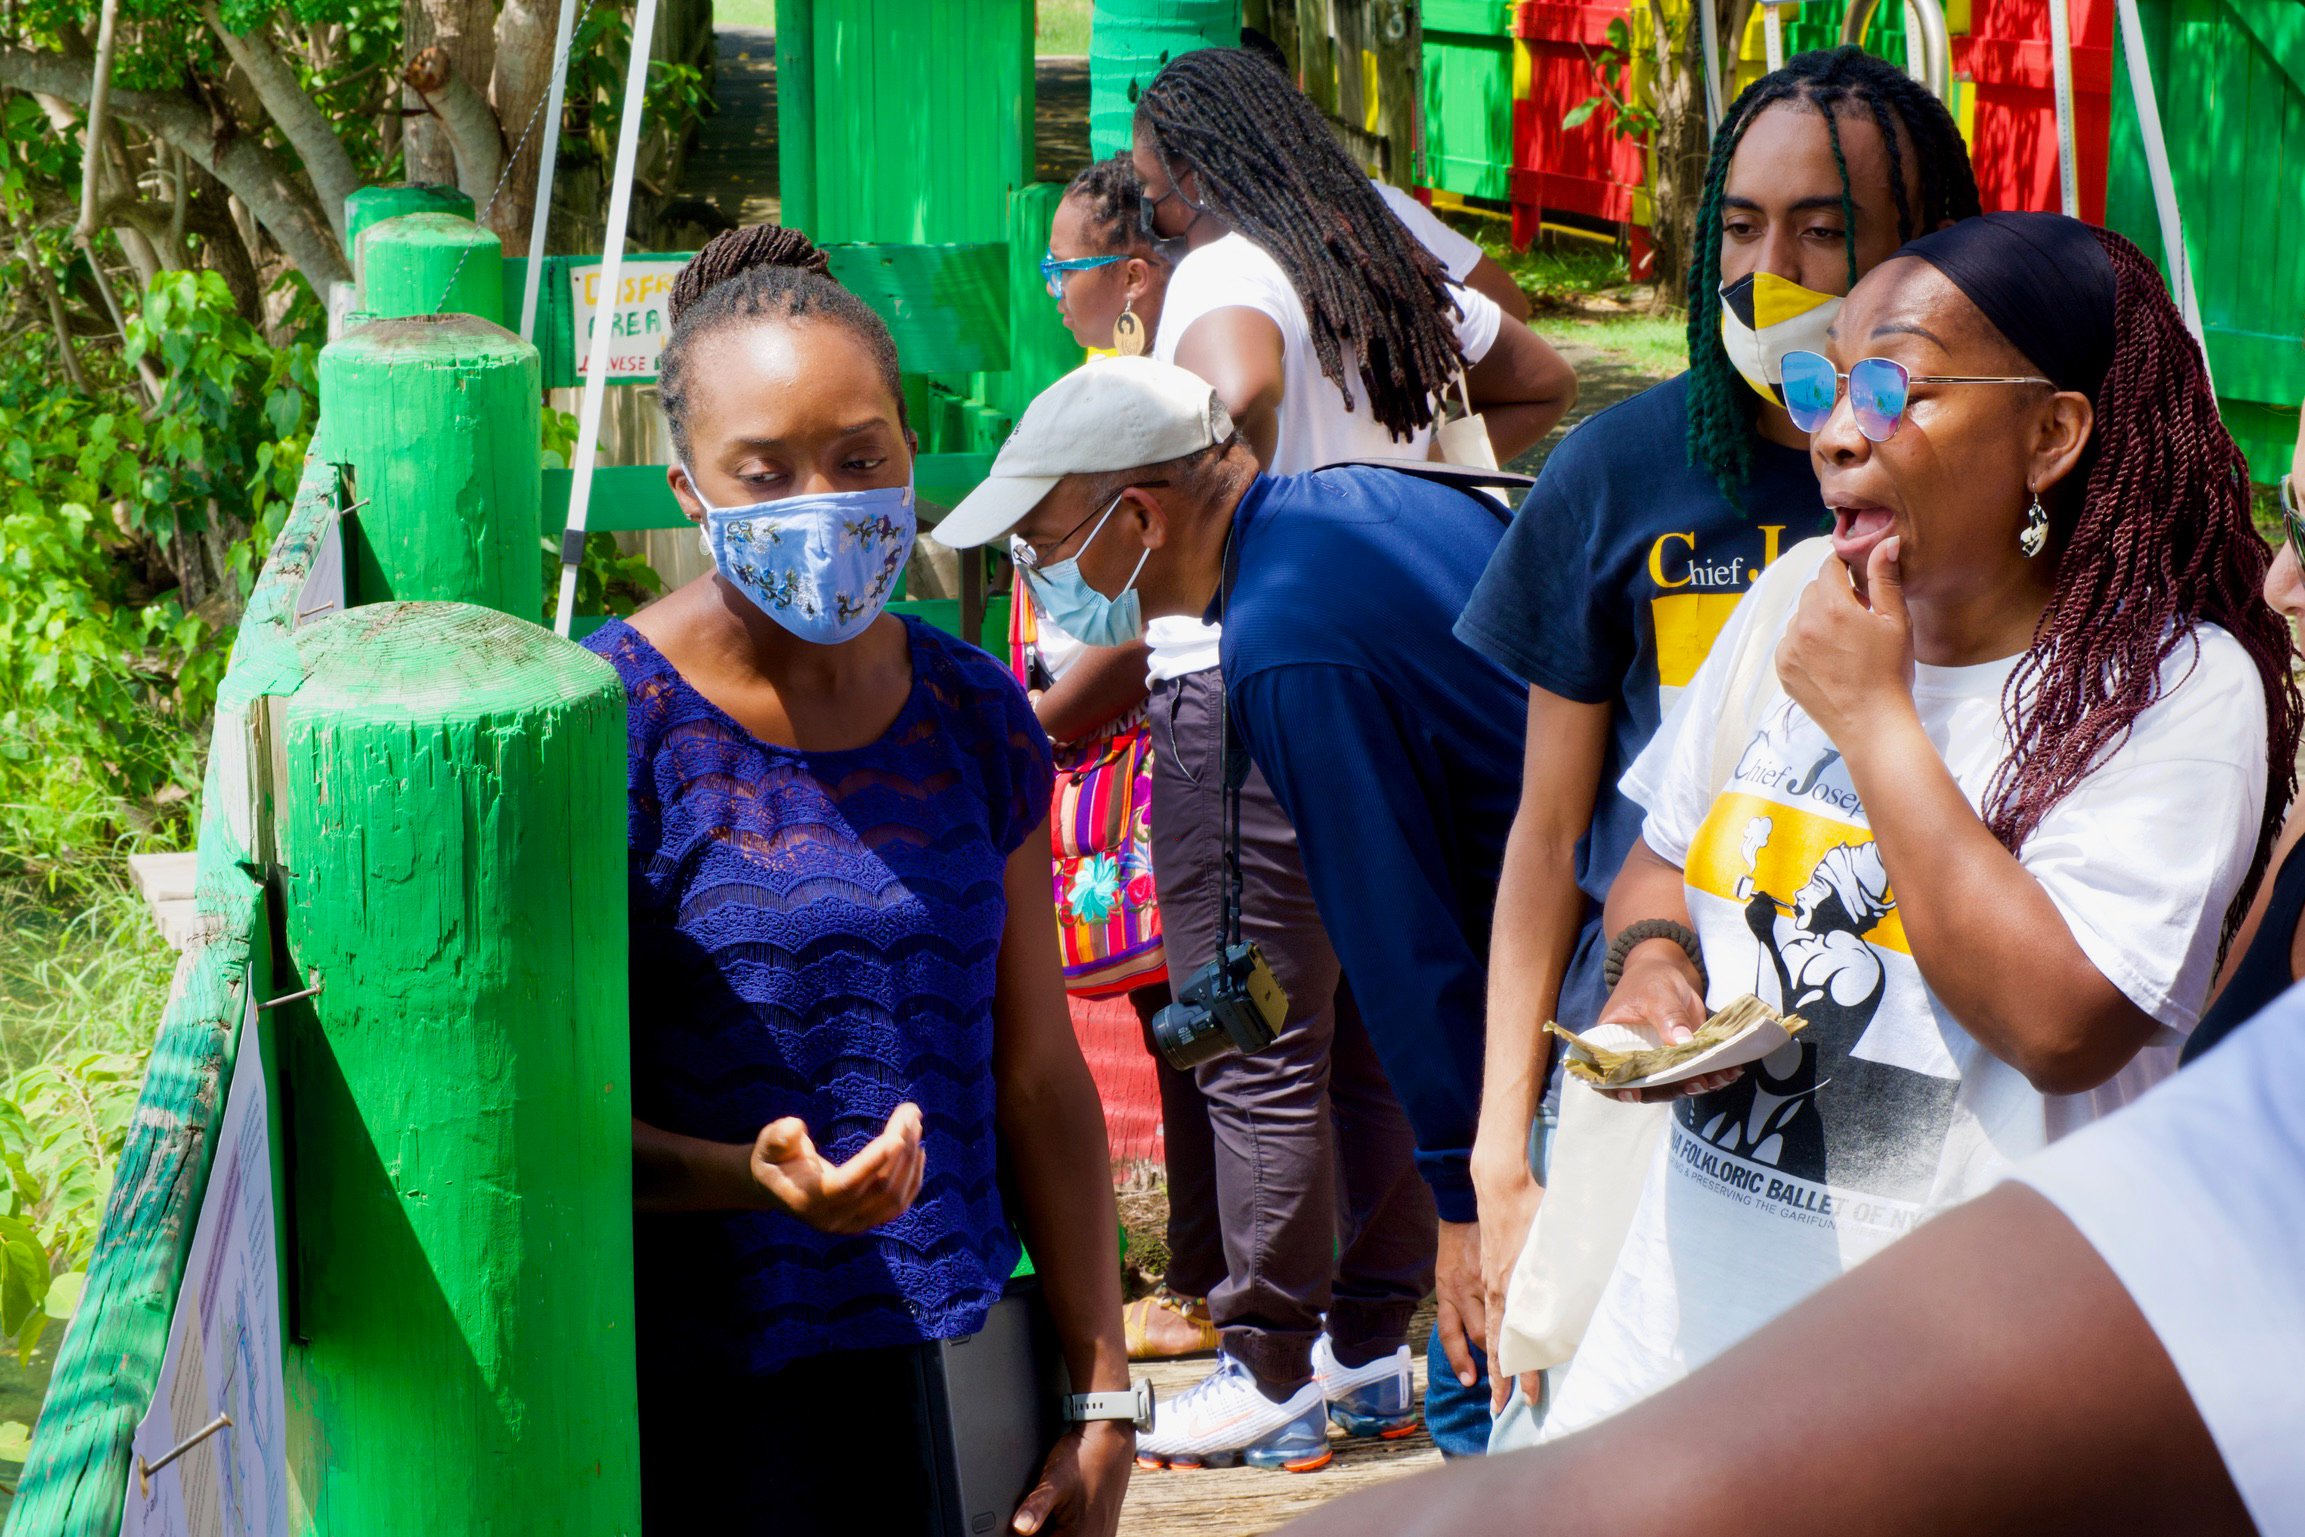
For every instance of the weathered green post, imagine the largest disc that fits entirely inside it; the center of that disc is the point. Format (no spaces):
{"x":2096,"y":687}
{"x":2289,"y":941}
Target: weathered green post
{"x":437,"y":417}
{"x":454,"y":882}
{"x":1129,"y":41}
{"x":373,"y":205}
{"x":430,"y":264}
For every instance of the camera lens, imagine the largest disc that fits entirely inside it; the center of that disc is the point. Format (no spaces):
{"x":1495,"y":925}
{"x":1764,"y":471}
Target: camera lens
{"x":1188,"y":1034}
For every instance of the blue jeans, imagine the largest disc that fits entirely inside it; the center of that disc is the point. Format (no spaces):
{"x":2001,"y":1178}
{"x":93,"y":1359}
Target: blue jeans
{"x":1457,"y":1416}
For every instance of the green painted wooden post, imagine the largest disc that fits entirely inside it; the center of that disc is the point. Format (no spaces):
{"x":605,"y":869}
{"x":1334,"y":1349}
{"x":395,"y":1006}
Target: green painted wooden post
{"x":373,"y":205}
{"x":452,"y":834}
{"x":796,"y":113}
{"x":430,"y":264}
{"x":437,"y":418}
{"x":1129,"y":41}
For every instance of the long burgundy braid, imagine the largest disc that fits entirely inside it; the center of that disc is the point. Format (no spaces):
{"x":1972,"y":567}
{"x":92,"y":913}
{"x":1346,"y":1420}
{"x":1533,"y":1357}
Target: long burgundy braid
{"x":2159,"y":543}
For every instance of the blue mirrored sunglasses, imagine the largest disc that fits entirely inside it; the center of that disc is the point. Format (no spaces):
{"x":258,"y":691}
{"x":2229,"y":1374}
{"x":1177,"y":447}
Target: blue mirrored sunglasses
{"x":1052,"y":271}
{"x":1879,"y":390}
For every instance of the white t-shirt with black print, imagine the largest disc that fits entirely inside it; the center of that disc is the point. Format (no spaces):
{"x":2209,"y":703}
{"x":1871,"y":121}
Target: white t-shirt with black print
{"x":1885,"y":1111}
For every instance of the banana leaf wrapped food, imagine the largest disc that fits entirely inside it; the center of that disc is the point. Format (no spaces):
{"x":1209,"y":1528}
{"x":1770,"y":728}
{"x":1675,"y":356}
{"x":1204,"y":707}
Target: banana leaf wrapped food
{"x":1741,"y":1032}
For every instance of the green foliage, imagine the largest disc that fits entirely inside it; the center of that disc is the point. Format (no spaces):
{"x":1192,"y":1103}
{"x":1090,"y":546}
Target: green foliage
{"x":608,"y":581}
{"x":106,"y":673}
{"x":80,"y":999}
{"x":1636,"y":117}
{"x":676,"y":96}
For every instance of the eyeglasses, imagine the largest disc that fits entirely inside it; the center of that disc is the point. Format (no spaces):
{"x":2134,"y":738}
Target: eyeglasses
{"x":1029,"y":557}
{"x":1878,"y":390}
{"x":1052,"y":271}
{"x":2293,"y":517}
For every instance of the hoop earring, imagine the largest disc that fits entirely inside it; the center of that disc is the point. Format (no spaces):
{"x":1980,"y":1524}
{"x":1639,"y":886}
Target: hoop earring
{"x":1128,"y":338}
{"x":2034,"y":537}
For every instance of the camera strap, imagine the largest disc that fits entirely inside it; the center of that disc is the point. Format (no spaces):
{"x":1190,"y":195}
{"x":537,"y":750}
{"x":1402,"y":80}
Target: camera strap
{"x":1233,"y":769}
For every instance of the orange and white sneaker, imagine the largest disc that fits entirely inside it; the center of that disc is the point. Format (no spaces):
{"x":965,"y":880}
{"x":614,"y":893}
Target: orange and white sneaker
{"x":1378,"y":1399}
{"x":1225,"y":1419}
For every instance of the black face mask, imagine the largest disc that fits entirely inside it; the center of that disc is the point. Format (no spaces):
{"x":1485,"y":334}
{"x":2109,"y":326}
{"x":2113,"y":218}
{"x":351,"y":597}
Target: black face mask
{"x":1170,"y":249}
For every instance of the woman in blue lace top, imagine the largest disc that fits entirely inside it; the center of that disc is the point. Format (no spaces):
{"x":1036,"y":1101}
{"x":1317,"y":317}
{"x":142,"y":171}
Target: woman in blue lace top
{"x":852,"y":1063}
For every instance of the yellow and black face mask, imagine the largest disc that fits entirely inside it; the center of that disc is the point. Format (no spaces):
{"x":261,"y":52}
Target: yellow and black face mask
{"x":1763,"y":317}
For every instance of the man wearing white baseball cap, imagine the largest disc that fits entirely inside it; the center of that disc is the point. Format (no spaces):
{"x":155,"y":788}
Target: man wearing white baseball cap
{"x":1394,"y":752}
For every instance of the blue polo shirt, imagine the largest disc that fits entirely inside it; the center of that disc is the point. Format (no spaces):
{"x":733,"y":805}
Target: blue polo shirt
{"x":1395,"y":749}
{"x":1620,"y":568}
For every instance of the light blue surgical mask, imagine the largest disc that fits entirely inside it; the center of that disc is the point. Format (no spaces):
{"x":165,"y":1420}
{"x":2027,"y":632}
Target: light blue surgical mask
{"x":1066,"y":599}
{"x":823,"y":566}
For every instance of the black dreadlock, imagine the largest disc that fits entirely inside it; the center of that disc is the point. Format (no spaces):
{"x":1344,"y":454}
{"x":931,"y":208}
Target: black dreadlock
{"x":1834,"y":81}
{"x":745,"y":274}
{"x":1109,"y":195}
{"x":1270,"y":169}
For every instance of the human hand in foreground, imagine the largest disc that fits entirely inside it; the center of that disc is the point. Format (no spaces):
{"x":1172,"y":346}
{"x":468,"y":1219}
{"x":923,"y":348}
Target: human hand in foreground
{"x":1658,"y":995}
{"x":1847,"y":658}
{"x":1462,"y":1317}
{"x":1082,"y":1482}
{"x":1509,"y":1196}
{"x":876,"y":1186}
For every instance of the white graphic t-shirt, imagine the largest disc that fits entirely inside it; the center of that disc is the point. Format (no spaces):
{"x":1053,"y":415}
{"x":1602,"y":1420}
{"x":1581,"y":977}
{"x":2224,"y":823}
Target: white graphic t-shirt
{"x":1885,"y":1111}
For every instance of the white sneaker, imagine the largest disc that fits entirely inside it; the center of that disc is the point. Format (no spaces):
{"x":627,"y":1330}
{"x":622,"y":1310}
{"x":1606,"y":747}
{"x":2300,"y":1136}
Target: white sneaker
{"x":1225,"y":1419}
{"x":1379,"y":1399}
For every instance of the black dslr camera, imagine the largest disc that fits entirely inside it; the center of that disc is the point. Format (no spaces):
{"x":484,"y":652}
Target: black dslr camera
{"x":1234,"y":1003}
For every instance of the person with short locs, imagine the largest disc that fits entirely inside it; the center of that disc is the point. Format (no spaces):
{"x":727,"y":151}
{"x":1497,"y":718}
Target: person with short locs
{"x":1331,"y":334}
{"x":1649,"y":525}
{"x":852,"y":1061}
{"x":1391,"y":749}
{"x":2007,"y":782}
{"x":1108,"y":286}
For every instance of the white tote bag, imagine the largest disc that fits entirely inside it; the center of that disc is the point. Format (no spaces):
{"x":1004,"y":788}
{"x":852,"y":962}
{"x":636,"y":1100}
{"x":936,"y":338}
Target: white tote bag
{"x":1603,"y":1148}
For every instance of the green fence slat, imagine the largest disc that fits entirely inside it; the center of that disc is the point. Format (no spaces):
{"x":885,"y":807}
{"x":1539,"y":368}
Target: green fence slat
{"x":946,"y":305}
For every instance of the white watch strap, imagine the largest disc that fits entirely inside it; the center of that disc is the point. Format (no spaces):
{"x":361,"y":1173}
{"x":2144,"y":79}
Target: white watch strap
{"x":1134,"y":1404}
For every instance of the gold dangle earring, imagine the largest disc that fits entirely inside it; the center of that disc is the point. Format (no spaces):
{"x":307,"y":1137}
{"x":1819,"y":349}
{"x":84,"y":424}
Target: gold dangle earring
{"x":1128,"y":331}
{"x":2034,"y":537}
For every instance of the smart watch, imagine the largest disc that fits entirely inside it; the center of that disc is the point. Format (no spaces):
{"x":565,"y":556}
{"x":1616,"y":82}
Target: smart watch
{"x":1135,"y":1405}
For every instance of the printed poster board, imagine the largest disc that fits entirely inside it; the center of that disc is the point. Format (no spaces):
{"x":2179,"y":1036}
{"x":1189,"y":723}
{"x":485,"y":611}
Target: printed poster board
{"x":223,"y":1348}
{"x":639,"y":322}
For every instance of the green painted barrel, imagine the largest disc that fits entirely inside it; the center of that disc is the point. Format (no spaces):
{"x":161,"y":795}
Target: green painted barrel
{"x":430,"y":264}
{"x":374,"y":205}
{"x":437,"y":418}
{"x":458,"y":1101}
{"x":1129,"y":41}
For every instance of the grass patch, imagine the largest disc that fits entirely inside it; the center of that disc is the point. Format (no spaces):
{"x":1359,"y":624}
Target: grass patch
{"x":745,"y":13}
{"x":90,"y":977}
{"x":1060,"y":26}
{"x":1650,"y":344}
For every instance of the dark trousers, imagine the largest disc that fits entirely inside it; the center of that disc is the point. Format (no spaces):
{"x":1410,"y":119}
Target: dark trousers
{"x":1196,"y":1243}
{"x":830,"y":1444}
{"x":1313,"y":1163}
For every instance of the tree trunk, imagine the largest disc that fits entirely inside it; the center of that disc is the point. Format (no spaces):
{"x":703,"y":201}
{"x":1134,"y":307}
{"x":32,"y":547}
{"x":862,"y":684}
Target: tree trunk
{"x":1681,"y":150}
{"x":524,"y":33}
{"x":298,"y":117}
{"x":473,"y":136}
{"x":275,"y":197}
{"x":207,"y":214}
{"x":466,"y":29}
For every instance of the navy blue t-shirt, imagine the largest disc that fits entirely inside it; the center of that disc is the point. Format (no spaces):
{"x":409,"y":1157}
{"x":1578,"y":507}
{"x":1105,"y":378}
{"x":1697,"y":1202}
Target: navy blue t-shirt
{"x":1620,"y":568}
{"x":1396,"y":753}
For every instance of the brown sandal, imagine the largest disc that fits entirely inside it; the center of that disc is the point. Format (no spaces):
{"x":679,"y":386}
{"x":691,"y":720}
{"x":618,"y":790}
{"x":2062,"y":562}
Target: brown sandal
{"x":1138,"y":1318}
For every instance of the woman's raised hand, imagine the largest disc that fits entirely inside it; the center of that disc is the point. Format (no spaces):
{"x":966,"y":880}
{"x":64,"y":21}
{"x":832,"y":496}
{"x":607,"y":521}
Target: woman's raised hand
{"x":1843,"y":661}
{"x":874,"y":1187}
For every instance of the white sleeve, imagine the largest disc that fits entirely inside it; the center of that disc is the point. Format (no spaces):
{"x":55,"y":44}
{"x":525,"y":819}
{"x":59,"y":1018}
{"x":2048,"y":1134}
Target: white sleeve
{"x":2195,"y":1199}
{"x":1478,"y":321}
{"x":1457,"y":255}
{"x":2145,"y":855}
{"x":1231,"y":273}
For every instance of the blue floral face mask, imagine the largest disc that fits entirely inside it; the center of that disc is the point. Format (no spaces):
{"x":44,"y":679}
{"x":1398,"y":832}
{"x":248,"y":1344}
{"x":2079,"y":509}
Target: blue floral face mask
{"x":1063,"y":595}
{"x":823,"y":566}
